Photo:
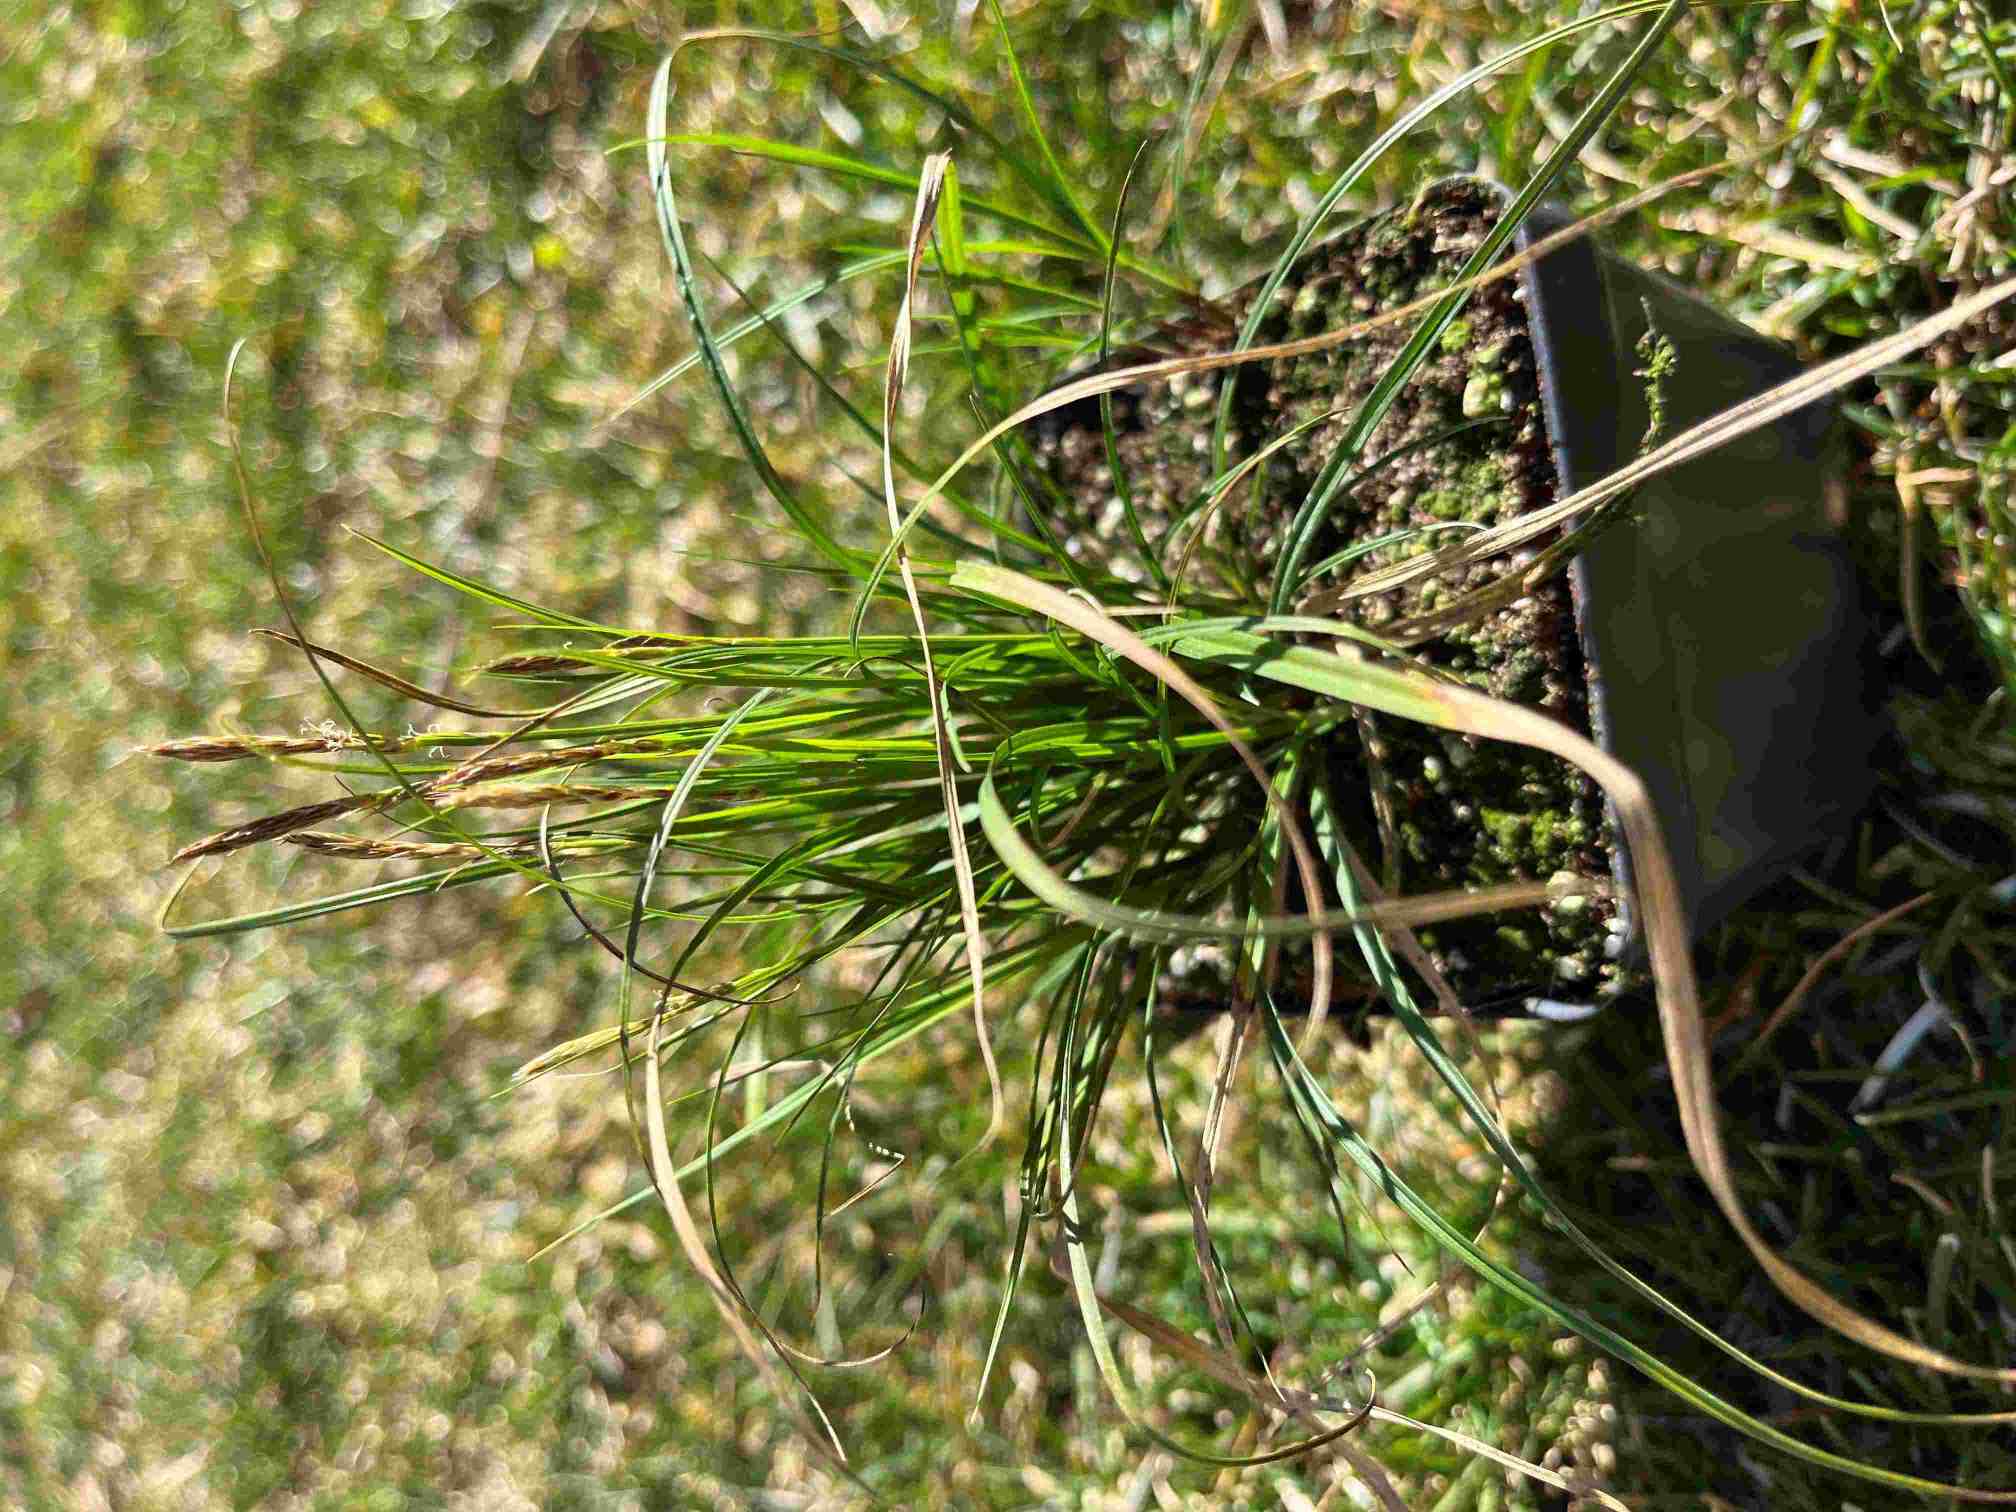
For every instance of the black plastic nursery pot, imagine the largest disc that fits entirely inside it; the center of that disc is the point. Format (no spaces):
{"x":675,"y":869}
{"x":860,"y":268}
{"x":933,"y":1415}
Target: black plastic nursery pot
{"x":1715,"y":640}
{"x":1724,"y":636}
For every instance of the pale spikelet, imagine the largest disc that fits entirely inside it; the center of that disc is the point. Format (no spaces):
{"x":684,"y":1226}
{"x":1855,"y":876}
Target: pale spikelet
{"x":235,"y":748}
{"x":454,"y":791}
{"x":539,"y":761}
{"x":367,"y":848}
{"x":538,"y":795}
{"x":273,"y":826}
{"x":515,"y":766}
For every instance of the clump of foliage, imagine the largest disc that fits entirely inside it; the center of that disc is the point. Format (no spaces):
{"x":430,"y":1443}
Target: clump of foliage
{"x":1013,"y":784}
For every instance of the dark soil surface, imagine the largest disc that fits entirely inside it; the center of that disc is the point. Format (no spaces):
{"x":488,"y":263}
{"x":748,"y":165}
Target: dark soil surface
{"x":1439,"y":811}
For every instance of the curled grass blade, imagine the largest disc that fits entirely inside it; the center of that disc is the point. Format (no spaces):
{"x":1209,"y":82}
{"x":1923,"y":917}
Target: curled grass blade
{"x":1071,"y":1236}
{"x":962,"y":866}
{"x":1380,"y":145}
{"x":1094,"y":385}
{"x":729,"y":1279}
{"x":930,"y":1005}
{"x":1316,"y":1103}
{"x":665,"y":1181}
{"x":1215,"y":1364}
{"x":1167,"y":927}
{"x":1089,"y":621}
{"x":1663,"y":920}
{"x":1315,"y":509}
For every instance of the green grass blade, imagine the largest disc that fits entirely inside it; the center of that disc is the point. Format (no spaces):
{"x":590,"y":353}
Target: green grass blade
{"x":673,"y":234}
{"x":316,"y":908}
{"x":970,"y":125}
{"x":1303,"y":1086}
{"x":1349,"y":179}
{"x":775,"y":310}
{"x":1324,"y":491}
{"x":1057,"y":183}
{"x":546,"y":618}
{"x":1150,"y":558}
{"x":841,"y":166}
{"x":1378,"y":691}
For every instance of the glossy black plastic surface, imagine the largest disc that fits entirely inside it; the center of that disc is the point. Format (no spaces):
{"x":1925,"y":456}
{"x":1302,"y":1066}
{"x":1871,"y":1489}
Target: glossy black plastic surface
{"x":1725,"y":633}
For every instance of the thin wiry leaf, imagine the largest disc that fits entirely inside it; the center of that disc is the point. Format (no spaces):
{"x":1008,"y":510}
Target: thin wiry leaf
{"x":1170,"y":928}
{"x":1317,"y":1104}
{"x":1663,"y":922}
{"x":1121,"y":489}
{"x":1042,"y":183}
{"x":1315,"y":509}
{"x":962,"y":865}
{"x":842,"y":166}
{"x":1093,"y":385}
{"x":1071,"y":1236}
{"x":1059,"y":183}
{"x":1215,"y":1364}
{"x":1408,"y":121}
{"x":775,"y":310}
{"x":813,"y":531}
{"x":394,"y":681}
{"x":665,"y":1181}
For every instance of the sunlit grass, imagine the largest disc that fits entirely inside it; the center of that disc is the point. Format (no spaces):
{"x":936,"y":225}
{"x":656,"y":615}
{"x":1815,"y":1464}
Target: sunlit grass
{"x":863,"y":710}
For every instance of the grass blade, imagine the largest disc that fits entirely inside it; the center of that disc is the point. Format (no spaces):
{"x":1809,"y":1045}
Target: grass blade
{"x":1058,"y":183}
{"x":1167,"y":927}
{"x":1089,"y":621}
{"x":673,"y":234}
{"x":1459,"y":708}
{"x":1288,"y":574}
{"x":926,"y":212}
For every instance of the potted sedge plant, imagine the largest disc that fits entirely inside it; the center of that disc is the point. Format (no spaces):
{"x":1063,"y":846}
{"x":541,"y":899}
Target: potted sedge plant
{"x":1754,"y":729}
{"x":1207,"y":673}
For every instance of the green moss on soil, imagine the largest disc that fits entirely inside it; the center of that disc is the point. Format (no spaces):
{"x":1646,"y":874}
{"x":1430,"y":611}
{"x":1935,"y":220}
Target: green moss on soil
{"x":1465,"y":812}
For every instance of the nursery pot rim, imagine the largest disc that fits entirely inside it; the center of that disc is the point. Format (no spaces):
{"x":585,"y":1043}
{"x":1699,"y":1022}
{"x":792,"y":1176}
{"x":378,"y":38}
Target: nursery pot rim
{"x":1703,"y":705}
{"x":1750,"y":731}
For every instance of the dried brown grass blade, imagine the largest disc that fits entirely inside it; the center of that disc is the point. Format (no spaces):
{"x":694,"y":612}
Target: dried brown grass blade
{"x":1094,"y":623}
{"x":665,"y":1177}
{"x":931,"y":184}
{"x":1094,"y":384}
{"x":1215,"y":1364}
{"x":1664,"y":920}
{"x":1828,"y":957}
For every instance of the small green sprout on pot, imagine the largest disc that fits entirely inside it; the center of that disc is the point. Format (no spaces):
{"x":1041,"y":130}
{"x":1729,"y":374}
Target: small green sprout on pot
{"x":1336,"y":642}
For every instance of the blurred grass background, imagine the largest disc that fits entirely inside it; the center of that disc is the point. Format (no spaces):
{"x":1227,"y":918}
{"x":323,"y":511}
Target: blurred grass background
{"x":267,"y":1226}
